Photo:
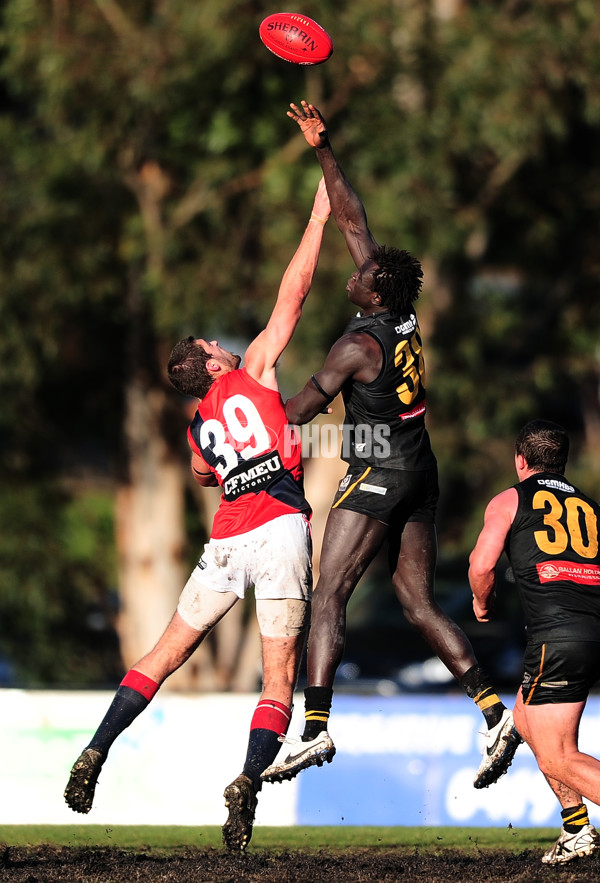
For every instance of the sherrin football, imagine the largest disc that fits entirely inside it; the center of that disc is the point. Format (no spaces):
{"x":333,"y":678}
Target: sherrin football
{"x":295,"y":38}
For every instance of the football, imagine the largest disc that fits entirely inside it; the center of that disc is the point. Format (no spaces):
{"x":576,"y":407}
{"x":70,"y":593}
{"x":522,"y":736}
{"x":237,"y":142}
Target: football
{"x":295,"y":38}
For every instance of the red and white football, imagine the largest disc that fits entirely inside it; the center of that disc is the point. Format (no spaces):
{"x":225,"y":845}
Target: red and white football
{"x":295,"y":38}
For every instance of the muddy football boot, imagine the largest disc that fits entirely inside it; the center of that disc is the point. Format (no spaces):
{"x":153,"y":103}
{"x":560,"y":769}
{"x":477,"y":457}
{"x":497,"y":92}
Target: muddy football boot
{"x":79,"y":793}
{"x":501,"y":742}
{"x":301,"y":755}
{"x":241,"y":800}
{"x":570,"y":846}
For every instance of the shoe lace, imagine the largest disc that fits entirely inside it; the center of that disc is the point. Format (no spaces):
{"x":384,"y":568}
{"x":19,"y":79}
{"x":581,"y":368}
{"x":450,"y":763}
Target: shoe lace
{"x":289,"y":740}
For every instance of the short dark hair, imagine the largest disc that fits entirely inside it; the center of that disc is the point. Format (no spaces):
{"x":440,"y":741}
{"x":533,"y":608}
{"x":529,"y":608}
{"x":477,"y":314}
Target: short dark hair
{"x":187,"y":368}
{"x":397,"y":279}
{"x":544,"y":445}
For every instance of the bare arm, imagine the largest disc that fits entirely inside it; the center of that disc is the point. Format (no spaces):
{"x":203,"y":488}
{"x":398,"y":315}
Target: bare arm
{"x":351,"y":357}
{"x":201,"y":472}
{"x":346,"y":207}
{"x":262,"y":354}
{"x":498,"y":519}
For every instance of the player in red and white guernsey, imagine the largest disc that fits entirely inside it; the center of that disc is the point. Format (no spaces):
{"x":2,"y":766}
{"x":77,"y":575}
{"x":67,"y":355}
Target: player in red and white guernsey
{"x":240,"y":440}
{"x":549,"y":530}
{"x":240,"y":434}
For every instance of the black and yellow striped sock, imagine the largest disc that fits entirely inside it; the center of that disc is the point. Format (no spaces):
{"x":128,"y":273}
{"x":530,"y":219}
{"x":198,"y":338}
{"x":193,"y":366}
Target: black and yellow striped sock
{"x":478,"y":687}
{"x":317,"y":705}
{"x":490,"y":705}
{"x":574,"y":818}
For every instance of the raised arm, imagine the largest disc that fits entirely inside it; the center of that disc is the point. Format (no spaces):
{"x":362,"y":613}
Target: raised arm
{"x":498,"y":519}
{"x":350,"y":357}
{"x":264,"y":351}
{"x":346,"y":207}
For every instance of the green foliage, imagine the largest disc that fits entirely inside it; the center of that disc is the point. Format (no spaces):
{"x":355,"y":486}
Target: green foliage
{"x":57,"y":571}
{"x":153,"y":186}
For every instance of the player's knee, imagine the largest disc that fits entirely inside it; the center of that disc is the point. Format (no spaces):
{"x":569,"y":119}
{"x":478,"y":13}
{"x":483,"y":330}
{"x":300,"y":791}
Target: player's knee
{"x":283,"y":617}
{"x":416,"y":614}
{"x":333,"y":591}
{"x":549,"y":765}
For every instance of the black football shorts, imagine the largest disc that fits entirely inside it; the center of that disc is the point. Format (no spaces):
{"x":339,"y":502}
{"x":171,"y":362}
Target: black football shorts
{"x":560,"y":671}
{"x":393,"y":496}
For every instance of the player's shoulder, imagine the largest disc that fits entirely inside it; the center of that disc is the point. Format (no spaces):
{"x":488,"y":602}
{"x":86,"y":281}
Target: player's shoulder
{"x":503,"y":505}
{"x":264,"y":384}
{"x":356,"y":340}
{"x":352,"y":351}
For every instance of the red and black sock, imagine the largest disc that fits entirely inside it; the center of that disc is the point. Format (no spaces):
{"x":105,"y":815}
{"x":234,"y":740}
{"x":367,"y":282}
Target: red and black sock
{"x":132,"y":697}
{"x":270,"y":720}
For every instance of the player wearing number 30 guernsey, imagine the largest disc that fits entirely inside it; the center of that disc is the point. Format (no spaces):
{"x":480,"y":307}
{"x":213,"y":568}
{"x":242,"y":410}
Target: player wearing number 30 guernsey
{"x":240,"y":440}
{"x":549,"y":531}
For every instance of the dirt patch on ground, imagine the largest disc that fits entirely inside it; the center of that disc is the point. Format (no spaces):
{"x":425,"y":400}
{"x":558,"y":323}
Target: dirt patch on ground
{"x":43,"y":864}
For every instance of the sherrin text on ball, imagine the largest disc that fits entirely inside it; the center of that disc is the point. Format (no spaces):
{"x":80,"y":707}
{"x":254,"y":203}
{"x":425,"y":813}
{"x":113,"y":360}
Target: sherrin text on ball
{"x":295,"y":38}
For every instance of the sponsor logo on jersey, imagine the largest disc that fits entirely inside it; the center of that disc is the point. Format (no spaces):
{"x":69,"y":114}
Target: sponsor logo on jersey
{"x":407,"y":327}
{"x":372,"y":488}
{"x":556,"y":485}
{"x":569,"y":571}
{"x":252,"y":477}
{"x":416,"y":412}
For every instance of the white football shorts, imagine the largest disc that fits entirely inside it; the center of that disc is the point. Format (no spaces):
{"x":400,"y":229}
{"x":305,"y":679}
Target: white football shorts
{"x":276,"y":558}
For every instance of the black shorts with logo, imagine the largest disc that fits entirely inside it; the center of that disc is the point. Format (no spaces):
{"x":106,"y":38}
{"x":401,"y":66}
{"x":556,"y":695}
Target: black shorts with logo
{"x":559,"y":671}
{"x":392,"y":496}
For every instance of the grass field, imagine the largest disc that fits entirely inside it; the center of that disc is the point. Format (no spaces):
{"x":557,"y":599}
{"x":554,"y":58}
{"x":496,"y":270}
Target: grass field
{"x":271,"y":838}
{"x":153,"y":854}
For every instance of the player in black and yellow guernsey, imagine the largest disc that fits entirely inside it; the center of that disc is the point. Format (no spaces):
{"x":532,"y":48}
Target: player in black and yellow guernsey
{"x":549,"y":531}
{"x":390,"y":491}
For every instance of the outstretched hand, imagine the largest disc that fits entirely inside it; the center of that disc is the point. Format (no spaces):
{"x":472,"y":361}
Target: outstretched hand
{"x":311,"y":122}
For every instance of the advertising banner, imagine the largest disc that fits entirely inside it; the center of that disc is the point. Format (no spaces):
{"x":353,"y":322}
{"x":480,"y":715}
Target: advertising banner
{"x":401,"y":760}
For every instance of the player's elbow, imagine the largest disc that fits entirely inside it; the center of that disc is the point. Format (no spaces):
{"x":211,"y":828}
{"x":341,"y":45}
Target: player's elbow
{"x":476,"y":568}
{"x":296,"y":413}
{"x":481,"y":576}
{"x":292,"y":413}
{"x":205,"y":479}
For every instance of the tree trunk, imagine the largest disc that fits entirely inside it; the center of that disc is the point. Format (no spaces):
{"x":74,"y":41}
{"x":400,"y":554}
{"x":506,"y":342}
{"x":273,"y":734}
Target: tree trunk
{"x":151,"y":539}
{"x":150,"y":528}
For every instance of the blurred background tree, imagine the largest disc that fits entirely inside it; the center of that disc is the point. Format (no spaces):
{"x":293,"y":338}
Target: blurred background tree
{"x":154,"y":187}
